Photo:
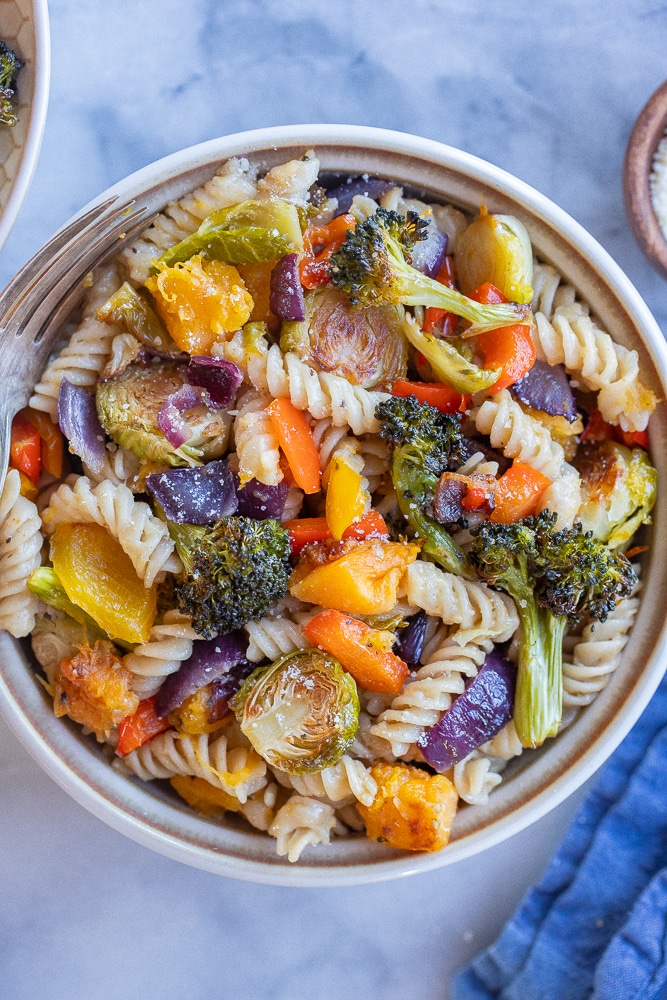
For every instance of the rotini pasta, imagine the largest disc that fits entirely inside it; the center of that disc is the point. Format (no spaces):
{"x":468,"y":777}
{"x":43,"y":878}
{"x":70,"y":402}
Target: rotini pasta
{"x":518,"y":434}
{"x":169,"y":644}
{"x":348,"y":779}
{"x":300,"y":823}
{"x":256,"y":442}
{"x":20,"y":548}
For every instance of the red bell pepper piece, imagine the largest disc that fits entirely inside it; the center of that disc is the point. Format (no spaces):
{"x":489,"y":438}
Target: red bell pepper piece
{"x":436,"y":394}
{"x":320,"y":243}
{"x":305,"y":530}
{"x":510,"y":348}
{"x":440,"y":319}
{"x":137,"y":729}
{"x":25,"y":448}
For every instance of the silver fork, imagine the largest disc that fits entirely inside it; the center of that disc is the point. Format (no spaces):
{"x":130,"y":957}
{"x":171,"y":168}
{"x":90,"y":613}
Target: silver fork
{"x":38,"y":299}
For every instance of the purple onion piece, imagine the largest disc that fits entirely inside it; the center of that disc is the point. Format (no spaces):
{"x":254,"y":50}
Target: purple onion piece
{"x":79,"y":422}
{"x":201,"y":495}
{"x":211,"y":659}
{"x":547,"y":388}
{"x":260,"y":501}
{"x":475,"y":717}
{"x":371,"y":187}
{"x":170,"y":419}
{"x":286,"y":298}
{"x":221,"y":380}
{"x":410,"y":640}
{"x":428,"y":255}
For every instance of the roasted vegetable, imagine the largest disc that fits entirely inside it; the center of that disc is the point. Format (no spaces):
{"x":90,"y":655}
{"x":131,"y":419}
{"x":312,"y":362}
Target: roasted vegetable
{"x":94,"y":688}
{"x":367,"y":346}
{"x":422,"y":441}
{"x":412,"y":810}
{"x":554,"y":577}
{"x":496,"y":248}
{"x":619,"y":488}
{"x":365,"y":652}
{"x":134,"y":409}
{"x":372,"y":268}
{"x":131,"y":308}
{"x":44,"y":583}
{"x":233,"y":571}
{"x":300,"y":713}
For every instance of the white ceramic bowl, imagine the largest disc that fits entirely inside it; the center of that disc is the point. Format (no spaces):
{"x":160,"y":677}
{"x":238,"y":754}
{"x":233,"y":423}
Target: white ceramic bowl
{"x":538,"y":781}
{"x":24,"y":25}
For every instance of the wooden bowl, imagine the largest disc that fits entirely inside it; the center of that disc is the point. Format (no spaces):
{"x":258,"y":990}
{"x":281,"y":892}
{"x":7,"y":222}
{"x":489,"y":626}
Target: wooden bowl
{"x":642,"y":144}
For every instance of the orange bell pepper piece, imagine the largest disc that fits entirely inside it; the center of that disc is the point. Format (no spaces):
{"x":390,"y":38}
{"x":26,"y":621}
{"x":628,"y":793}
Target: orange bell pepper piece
{"x":436,"y":394}
{"x":25,"y":449}
{"x":509,"y":347}
{"x":314,"y":265}
{"x":139,"y":728}
{"x":305,"y":530}
{"x":360,"y":649}
{"x":517,"y":493}
{"x":297,"y":442}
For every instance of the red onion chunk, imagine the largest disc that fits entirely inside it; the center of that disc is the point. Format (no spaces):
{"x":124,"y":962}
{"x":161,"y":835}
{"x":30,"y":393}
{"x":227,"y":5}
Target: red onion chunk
{"x":286,"y":294}
{"x":221,"y":380}
{"x":201,"y":495}
{"x":211,"y":660}
{"x":428,"y":255}
{"x":410,"y":640}
{"x":370,"y":187}
{"x":547,"y":388}
{"x":170,"y":419}
{"x":475,"y":717}
{"x":260,"y":501}
{"x":79,"y":422}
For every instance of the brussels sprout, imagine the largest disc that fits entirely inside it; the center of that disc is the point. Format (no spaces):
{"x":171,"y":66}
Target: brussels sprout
{"x":132,"y":309}
{"x":496,"y":248}
{"x":367,"y":346}
{"x":129,"y":408}
{"x":300,"y":713}
{"x":618,"y":490}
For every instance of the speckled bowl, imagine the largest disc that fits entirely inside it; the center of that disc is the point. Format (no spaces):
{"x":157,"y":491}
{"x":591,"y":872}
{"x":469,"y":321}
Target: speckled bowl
{"x":24,"y":25}
{"x":648,"y":130}
{"x":536,"y":782}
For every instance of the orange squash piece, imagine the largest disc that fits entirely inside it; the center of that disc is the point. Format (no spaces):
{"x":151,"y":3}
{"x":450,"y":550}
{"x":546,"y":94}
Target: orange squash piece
{"x":94,"y":689}
{"x":412,"y":810}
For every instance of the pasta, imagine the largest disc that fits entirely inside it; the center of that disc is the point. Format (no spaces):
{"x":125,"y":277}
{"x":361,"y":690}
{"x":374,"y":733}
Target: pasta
{"x":315,"y":628}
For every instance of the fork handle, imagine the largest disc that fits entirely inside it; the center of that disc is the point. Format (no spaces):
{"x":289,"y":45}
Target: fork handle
{"x":8,"y":408}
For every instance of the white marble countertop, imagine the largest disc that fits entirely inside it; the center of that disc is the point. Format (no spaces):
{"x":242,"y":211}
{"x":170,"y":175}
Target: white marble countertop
{"x":547,"y":91}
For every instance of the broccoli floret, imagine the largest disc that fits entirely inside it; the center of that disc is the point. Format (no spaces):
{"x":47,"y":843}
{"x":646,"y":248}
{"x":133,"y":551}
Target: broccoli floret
{"x":554,"y":577}
{"x":373,"y":267}
{"x":422,"y":441}
{"x":234,"y":571}
{"x":10,"y":64}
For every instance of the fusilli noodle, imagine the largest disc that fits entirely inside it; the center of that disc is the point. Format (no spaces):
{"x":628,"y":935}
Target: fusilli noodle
{"x":169,"y":644}
{"x":518,"y":435}
{"x":347,"y":779}
{"x":301,"y":822}
{"x":256,"y":443}
{"x":20,"y":548}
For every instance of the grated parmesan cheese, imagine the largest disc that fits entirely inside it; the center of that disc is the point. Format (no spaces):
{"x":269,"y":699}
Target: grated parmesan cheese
{"x":659,"y":184}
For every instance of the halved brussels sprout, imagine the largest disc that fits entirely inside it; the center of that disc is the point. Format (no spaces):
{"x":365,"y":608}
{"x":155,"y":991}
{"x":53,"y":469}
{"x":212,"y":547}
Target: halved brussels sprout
{"x":300,"y":713}
{"x":496,"y":248}
{"x":132,"y":309}
{"x":618,"y":490}
{"x":366,"y":346}
{"x":129,"y":408}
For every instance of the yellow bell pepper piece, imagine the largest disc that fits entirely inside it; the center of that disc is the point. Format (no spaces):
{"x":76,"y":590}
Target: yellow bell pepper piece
{"x":347,"y":500}
{"x":98,"y":576}
{"x":412,"y":810}
{"x":364,"y":580}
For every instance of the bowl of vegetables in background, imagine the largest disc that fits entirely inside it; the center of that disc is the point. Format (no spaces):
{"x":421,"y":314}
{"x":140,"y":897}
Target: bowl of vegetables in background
{"x":488,"y":467}
{"x":25,"y":71}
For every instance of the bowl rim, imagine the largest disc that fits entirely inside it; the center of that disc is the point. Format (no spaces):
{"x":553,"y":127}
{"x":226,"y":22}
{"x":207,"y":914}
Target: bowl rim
{"x":16,"y":702}
{"x":36,"y":122}
{"x":648,"y":130}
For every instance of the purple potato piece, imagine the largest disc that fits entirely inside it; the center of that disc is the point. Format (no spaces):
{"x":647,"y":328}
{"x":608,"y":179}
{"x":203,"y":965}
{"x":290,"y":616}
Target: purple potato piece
{"x":410,"y":640}
{"x":428,"y":255}
{"x":211,"y":660}
{"x":260,"y":501}
{"x":201,"y":495}
{"x":79,"y":422}
{"x":371,"y":187}
{"x":221,"y":380}
{"x":547,"y":388}
{"x":475,"y":717}
{"x":286,"y":299}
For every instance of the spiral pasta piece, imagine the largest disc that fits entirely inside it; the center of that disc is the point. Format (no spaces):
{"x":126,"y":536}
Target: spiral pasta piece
{"x":563,"y":496}
{"x":279,"y":632}
{"x":142,"y":536}
{"x":169,"y":644}
{"x":428,"y":694}
{"x":505,"y":744}
{"x":291,"y":181}
{"x":347,"y":779}
{"x":572,"y":339}
{"x":20,"y":548}
{"x":86,"y":353}
{"x":120,"y":466}
{"x":479,"y":612}
{"x":239,"y":771}
{"x":475,"y":778}
{"x":255,"y":440}
{"x":518,"y":435}
{"x":301,"y":822}
{"x":550,"y":290}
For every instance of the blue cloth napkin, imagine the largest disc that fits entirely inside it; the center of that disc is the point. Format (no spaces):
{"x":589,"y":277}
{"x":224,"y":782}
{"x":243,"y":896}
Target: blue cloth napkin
{"x":595,"y":926}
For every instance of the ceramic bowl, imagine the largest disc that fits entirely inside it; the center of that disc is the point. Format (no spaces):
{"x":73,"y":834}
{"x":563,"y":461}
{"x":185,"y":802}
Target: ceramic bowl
{"x":538,"y":781}
{"x":24,"y":26}
{"x":648,"y":130}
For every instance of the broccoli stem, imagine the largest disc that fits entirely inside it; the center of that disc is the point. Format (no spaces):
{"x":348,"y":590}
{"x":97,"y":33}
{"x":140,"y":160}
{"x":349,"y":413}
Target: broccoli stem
{"x":539,"y":688}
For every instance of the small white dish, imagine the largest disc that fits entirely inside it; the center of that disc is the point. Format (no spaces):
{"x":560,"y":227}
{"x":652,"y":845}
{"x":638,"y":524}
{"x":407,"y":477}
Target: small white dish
{"x":24,"y":26}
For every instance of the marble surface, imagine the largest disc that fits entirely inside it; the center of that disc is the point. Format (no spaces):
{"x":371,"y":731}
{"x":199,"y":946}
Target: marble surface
{"x":547,"y":91}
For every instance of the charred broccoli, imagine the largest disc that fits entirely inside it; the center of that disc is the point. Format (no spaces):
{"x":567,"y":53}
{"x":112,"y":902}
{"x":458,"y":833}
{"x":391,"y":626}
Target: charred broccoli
{"x":554,"y":577}
{"x":422,"y":440}
{"x":233,"y":571}
{"x":10,"y":64}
